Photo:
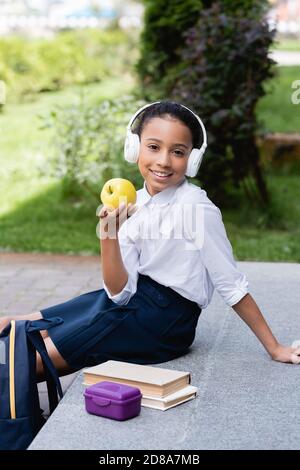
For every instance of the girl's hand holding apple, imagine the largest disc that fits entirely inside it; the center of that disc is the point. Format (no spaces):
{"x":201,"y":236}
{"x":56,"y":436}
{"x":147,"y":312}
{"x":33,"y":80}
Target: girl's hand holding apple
{"x":112,"y":219}
{"x":118,"y":196}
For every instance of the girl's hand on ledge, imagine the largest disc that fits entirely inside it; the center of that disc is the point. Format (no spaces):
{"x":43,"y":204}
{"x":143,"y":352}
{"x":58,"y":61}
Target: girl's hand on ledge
{"x":286,"y":354}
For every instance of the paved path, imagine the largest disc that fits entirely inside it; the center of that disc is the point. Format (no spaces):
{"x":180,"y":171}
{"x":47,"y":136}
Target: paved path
{"x":286,"y":57}
{"x":30,"y":282}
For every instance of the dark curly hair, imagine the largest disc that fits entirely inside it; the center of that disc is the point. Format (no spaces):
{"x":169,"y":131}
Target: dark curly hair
{"x":164,"y":108}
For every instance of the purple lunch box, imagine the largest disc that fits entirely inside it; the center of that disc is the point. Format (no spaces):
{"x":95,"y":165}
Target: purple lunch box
{"x":113,"y":400}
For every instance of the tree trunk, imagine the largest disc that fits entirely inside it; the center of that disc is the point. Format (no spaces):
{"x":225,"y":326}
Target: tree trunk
{"x":257,"y":170}
{"x":246,"y":152}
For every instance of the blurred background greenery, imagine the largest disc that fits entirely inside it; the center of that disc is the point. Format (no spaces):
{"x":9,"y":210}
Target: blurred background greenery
{"x":70,"y":94}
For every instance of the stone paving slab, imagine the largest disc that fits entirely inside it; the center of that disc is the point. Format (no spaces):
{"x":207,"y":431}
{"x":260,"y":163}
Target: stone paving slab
{"x":29,"y":282}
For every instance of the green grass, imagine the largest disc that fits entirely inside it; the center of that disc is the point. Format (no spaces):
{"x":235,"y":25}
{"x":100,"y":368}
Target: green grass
{"x":247,"y":226}
{"x":34,"y":217}
{"x":276,"y":110}
{"x":292,"y":45}
{"x":42,"y":221}
{"x":22,"y":141}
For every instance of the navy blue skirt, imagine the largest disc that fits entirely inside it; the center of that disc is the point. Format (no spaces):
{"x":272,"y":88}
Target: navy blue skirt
{"x":156,"y":325}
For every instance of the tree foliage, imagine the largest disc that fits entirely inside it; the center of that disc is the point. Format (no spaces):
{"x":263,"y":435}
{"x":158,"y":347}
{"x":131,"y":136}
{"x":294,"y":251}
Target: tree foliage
{"x":218,"y":67}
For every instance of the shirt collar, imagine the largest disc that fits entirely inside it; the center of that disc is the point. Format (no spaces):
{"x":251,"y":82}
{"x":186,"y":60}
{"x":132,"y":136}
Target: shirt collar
{"x":163,"y":197}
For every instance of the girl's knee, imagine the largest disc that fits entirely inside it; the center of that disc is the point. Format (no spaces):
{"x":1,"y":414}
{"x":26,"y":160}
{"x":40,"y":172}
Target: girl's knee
{"x":4,"y":321}
{"x":59,"y":363}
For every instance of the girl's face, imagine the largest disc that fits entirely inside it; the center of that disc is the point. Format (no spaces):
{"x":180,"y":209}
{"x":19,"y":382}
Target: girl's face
{"x":165,"y":146}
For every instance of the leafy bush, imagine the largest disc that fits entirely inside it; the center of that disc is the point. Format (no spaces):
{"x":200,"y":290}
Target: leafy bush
{"x":224,"y":65}
{"x":165,"y":25}
{"x":87,"y":145}
{"x":71,"y":57}
{"x":216,"y":66}
{"x":248,"y":8}
{"x":165,"y":22}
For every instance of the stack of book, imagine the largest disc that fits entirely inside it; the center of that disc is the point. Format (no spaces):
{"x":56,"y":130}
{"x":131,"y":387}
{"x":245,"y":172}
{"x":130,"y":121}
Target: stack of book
{"x":161,"y":388}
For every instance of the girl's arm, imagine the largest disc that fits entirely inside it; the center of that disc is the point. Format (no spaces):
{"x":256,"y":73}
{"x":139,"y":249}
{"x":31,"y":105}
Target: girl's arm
{"x":249,"y":312}
{"x":115,"y":275}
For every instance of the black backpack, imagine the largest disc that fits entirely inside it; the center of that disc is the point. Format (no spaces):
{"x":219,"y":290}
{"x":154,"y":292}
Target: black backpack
{"x":20,"y":415}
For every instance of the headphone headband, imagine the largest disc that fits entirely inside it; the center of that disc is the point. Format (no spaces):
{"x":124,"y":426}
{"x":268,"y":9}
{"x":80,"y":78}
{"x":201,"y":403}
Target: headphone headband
{"x":132,"y":143}
{"x":204,"y":144}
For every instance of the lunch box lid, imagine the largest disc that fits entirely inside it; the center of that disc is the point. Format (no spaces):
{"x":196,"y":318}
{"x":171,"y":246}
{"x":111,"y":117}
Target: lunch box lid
{"x":113,"y":391}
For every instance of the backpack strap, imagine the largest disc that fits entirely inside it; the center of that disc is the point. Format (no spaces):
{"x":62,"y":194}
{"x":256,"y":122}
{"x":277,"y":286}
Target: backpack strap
{"x":51,"y":375}
{"x":12,"y":395}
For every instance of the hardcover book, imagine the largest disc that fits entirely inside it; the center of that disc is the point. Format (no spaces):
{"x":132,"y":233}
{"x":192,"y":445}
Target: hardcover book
{"x":152,"y":381}
{"x":187,"y":393}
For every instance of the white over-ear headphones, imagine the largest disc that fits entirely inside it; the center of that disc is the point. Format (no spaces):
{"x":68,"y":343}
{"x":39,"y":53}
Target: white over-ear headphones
{"x":132,"y":144}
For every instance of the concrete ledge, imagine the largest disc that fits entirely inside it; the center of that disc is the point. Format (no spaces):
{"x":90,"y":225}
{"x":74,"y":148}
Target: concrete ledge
{"x":65,"y":381}
{"x":246,"y":400}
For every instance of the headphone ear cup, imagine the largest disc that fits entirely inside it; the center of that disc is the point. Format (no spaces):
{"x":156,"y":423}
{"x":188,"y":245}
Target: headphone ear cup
{"x":194,"y":161}
{"x":132,"y":147}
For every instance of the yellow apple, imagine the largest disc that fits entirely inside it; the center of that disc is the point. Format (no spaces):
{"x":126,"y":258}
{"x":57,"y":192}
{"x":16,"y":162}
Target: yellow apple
{"x":116,"y":191}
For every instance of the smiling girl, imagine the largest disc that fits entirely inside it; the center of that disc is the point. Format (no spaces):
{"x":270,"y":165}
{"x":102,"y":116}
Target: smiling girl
{"x":157,"y":279}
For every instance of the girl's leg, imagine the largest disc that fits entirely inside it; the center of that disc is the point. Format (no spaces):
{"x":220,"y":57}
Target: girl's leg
{"x":4,"y":321}
{"x":60,"y":364}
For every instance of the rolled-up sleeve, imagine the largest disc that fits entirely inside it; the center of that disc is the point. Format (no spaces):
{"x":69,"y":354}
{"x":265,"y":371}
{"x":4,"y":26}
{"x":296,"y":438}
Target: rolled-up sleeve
{"x":217,"y":256}
{"x":130,"y":257}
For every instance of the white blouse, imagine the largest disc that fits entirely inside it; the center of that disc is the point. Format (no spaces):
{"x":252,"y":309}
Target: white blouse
{"x":177,"y":237}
